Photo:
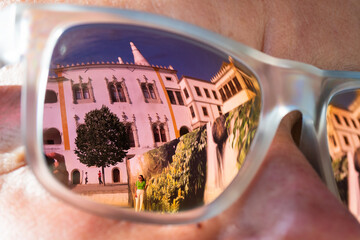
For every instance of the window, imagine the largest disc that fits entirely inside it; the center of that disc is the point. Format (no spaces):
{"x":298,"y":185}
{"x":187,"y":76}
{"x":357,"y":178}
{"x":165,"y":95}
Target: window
{"x":249,"y":83}
{"x":197,"y":89}
{"x":77,"y":93}
{"x":219,"y":109}
{"x":50,"y":96}
{"x":186,"y":93}
{"x":152,"y":92}
{"x":156,"y":134}
{"x":337,"y":119}
{"x":207,"y":94}
{"x":82,"y":92}
{"x":168,"y":78}
{"x":120,"y":92}
{"x":215,"y":95}
{"x":117,"y":90}
{"x":171,"y":97}
{"x":333,"y":140}
{"x":130,"y":134}
{"x":346,"y":121}
{"x":227,"y":91}
{"x":237,"y":84}
{"x":145,"y":91}
{"x":179,"y":97}
{"x":113,"y":93}
{"x":346,"y":140}
{"x":223,"y":97}
{"x":162,"y":133}
{"x":117,"y":93}
{"x":159,"y":133}
{"x":205,"y":111}
{"x":86,"y":92}
{"x":232,"y":87}
{"x":192,"y":112}
{"x":353,"y":122}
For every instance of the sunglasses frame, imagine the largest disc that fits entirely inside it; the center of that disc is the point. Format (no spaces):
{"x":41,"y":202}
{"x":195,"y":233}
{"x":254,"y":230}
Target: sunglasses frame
{"x":285,"y":86}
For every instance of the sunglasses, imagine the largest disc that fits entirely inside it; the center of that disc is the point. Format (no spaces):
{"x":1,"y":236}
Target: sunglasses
{"x":110,"y":94}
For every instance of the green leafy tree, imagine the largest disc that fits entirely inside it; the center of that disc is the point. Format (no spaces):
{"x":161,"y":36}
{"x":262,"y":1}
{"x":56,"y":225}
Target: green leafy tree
{"x":242,"y":123}
{"x":102,"y":140}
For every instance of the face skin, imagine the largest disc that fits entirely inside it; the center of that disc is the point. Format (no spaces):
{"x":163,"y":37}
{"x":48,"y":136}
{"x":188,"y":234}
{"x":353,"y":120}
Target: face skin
{"x":285,"y":200}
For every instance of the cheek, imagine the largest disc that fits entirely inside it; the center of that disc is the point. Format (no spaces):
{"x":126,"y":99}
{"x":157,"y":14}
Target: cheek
{"x":10,"y":118}
{"x":11,"y":152}
{"x":31,"y":211}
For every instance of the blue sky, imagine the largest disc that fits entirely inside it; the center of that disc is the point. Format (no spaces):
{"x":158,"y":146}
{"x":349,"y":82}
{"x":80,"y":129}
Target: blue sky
{"x":89,"y":43}
{"x":107,"y":42}
{"x":343,"y":100}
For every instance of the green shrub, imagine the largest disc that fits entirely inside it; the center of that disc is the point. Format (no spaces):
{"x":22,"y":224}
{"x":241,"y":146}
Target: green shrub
{"x":181,"y":184}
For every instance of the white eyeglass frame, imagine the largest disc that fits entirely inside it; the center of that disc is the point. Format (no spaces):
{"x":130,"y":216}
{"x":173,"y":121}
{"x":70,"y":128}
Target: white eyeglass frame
{"x":32,"y":31}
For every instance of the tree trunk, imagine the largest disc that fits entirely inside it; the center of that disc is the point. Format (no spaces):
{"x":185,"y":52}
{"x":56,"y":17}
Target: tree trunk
{"x":103,"y":175}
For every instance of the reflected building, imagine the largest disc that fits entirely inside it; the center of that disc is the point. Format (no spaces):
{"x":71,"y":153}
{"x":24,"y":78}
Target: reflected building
{"x":343,"y":126}
{"x":153,"y":104}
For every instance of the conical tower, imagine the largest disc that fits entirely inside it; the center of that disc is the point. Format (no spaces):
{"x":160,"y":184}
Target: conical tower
{"x":138,"y":57}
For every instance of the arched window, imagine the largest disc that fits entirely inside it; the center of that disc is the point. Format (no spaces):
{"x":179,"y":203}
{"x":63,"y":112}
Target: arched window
{"x":113,"y":93}
{"x":145,"y":91}
{"x":86,"y":92}
{"x":162,"y":133}
{"x":50,"y":96}
{"x":52,"y":136}
{"x":156,"y":134}
{"x":183,"y":130}
{"x":121,"y":93}
{"x":82,"y":92}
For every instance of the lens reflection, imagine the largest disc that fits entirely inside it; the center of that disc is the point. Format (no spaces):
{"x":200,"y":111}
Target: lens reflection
{"x":343,"y":124}
{"x":165,"y":137}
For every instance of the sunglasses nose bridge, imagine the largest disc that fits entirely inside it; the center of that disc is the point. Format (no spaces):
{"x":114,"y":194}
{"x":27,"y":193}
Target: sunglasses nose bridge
{"x":316,"y":154}
{"x":293,"y":89}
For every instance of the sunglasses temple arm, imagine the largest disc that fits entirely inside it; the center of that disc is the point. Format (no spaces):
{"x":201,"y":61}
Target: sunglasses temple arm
{"x":13,"y":31}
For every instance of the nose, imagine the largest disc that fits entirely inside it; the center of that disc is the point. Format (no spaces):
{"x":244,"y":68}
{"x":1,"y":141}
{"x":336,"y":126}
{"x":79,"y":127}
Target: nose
{"x":287,"y":197}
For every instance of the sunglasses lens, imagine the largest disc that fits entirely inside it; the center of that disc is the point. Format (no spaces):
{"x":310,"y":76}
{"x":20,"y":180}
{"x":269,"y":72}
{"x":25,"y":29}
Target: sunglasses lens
{"x":343,"y":126}
{"x":123,"y":101}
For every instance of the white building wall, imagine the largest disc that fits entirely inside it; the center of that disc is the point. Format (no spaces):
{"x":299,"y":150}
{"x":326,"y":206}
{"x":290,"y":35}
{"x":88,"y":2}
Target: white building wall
{"x":137,"y":109}
{"x":200,"y":102}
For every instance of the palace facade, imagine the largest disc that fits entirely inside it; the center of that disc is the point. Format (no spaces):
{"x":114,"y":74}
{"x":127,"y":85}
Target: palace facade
{"x":151,"y":101}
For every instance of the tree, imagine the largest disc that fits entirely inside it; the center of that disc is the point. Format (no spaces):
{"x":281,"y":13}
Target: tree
{"x":102,"y":140}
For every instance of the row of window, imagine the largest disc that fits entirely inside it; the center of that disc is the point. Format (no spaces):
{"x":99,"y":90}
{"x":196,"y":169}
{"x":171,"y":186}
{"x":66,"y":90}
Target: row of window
{"x":83,"y":92}
{"x":199,"y":94}
{"x":178,"y":100}
{"x":205,"y":111}
{"x":118,"y":93}
{"x":231,"y":88}
{"x":346,"y":121}
{"x":346,"y":140}
{"x":52,"y":135}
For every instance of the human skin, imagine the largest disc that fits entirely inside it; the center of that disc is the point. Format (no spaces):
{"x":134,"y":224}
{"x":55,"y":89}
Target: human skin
{"x":286,"y":200}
